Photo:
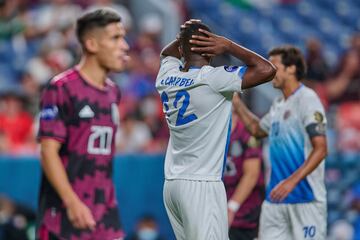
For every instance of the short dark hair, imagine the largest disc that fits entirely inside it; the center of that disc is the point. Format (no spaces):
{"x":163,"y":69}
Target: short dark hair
{"x":291,"y":55}
{"x":186,"y":34}
{"x":95,"y":19}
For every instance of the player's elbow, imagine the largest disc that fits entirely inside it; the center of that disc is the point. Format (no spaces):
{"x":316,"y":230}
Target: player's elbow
{"x":322,"y":151}
{"x":258,"y":132}
{"x":267,"y":71}
{"x":254,"y":173}
{"x":259,"y":74}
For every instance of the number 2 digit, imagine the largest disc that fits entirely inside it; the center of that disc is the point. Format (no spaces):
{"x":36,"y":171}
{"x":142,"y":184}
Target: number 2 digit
{"x":181,"y":119}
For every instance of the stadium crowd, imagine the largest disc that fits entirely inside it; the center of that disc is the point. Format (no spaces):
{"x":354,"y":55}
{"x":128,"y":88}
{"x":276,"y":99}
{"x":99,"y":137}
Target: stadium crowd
{"x":37,"y":41}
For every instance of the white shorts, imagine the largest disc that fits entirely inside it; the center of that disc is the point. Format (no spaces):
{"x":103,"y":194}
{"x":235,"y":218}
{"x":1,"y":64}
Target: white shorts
{"x":302,"y":221}
{"x":197,"y":209}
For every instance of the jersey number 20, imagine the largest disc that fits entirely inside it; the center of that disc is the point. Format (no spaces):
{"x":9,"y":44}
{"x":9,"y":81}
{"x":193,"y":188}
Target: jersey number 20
{"x":100,"y":140}
{"x":181,"y":119}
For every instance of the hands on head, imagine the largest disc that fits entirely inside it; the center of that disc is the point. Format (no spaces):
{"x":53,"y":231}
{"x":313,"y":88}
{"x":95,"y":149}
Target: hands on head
{"x":189,"y":22}
{"x":208,"y":44}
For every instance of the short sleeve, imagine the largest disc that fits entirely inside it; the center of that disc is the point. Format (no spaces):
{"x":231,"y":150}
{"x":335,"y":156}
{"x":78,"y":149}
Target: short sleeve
{"x":253,"y":148}
{"x":224,"y":79}
{"x":169,"y":63}
{"x":265,"y":122}
{"x":312,"y":111}
{"x":52,"y":113}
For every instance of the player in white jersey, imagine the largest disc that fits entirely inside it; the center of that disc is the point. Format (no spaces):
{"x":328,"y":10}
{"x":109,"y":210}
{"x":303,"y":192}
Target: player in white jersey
{"x":295,"y":205}
{"x":197,"y":103}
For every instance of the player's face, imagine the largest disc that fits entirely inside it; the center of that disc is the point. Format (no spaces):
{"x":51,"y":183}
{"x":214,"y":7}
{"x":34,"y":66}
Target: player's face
{"x":112,"y":47}
{"x":281,"y":73}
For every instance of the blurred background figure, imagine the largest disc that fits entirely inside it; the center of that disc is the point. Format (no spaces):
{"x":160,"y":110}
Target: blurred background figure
{"x":318,"y":68}
{"x":345,"y":85}
{"x":341,"y":230}
{"x":355,"y":207}
{"x":17,"y":222}
{"x":146,"y":229}
{"x":16,"y":124}
{"x":244,"y":182}
{"x":125,"y":14}
{"x":134,"y":135}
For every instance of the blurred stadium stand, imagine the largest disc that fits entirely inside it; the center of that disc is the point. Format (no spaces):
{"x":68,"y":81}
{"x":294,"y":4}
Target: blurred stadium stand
{"x":34,"y":47}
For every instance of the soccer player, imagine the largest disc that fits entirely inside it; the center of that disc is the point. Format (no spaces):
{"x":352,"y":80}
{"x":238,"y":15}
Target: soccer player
{"x":295,"y":205}
{"x":78,"y":120}
{"x":197,"y":102}
{"x":244,"y":182}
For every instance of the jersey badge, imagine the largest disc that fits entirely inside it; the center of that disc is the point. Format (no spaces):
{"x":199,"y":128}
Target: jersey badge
{"x":230,"y":68}
{"x":49,"y":112}
{"x":287,"y":114}
{"x":318,"y":117}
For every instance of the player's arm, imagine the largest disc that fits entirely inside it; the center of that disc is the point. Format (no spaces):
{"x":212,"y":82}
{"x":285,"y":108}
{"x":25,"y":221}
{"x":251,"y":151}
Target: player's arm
{"x":337,"y":86}
{"x":54,"y":169}
{"x":259,"y":70}
{"x":251,"y":172}
{"x":172,"y":50}
{"x":251,"y":121}
{"x":78,"y":212}
{"x":317,"y":155}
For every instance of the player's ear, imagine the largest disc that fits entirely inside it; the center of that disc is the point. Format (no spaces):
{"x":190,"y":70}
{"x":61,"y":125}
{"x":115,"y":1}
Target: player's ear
{"x":292,"y":69}
{"x":91,"y":44}
{"x":180,"y":49}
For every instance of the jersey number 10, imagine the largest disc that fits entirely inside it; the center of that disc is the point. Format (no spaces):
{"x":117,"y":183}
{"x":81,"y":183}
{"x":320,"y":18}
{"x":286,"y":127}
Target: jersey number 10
{"x":181,"y":119}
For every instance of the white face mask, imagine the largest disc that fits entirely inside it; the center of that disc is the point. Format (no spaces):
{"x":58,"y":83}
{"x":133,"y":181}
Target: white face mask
{"x":147,"y":234}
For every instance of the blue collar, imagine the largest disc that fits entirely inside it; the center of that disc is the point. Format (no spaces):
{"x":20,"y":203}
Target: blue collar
{"x":190,"y":68}
{"x":194,"y":67}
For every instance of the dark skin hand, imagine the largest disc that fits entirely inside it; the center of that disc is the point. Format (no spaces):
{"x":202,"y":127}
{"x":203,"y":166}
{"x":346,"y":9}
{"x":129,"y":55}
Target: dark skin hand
{"x":259,"y":70}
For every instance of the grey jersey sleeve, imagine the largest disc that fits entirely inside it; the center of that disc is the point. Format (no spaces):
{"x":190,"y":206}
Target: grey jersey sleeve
{"x":168,"y":64}
{"x":224,"y":79}
{"x":313,"y":115}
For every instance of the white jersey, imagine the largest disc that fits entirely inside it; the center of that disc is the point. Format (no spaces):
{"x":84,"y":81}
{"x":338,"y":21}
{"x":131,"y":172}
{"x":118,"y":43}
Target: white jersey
{"x":197,"y":105}
{"x":290,"y":144}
